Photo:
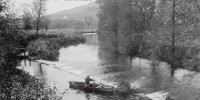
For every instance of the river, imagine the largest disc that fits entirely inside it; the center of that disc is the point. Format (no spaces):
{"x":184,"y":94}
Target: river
{"x":76,"y":62}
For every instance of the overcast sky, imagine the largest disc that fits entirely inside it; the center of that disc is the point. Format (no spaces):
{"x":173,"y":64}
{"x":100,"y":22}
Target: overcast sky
{"x":54,"y":5}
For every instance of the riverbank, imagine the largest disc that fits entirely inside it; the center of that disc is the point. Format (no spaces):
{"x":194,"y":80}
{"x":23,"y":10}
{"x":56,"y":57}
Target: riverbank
{"x":44,"y":67}
{"x":19,"y":85}
{"x":184,"y":84}
{"x":47,"y":46}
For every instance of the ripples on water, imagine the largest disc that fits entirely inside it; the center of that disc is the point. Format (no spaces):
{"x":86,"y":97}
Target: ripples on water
{"x":76,"y":62}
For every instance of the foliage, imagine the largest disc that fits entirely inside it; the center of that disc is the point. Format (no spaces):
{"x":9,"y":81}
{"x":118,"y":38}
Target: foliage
{"x":164,"y":30}
{"x":124,"y":87}
{"x":47,"y":46}
{"x":39,"y":8}
{"x":88,"y":20}
{"x":15,"y":84}
{"x":27,"y":19}
{"x":123,"y":23}
{"x":19,"y":85}
{"x":134,"y":23}
{"x":184,"y":37}
{"x":108,"y":24}
{"x":46,"y":23}
{"x":72,"y":23}
{"x":10,"y":38}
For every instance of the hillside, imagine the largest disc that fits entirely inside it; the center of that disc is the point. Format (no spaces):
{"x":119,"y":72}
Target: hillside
{"x":78,"y":13}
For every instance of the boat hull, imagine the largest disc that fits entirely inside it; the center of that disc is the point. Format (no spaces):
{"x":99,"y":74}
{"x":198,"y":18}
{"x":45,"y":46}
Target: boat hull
{"x":93,"y":88}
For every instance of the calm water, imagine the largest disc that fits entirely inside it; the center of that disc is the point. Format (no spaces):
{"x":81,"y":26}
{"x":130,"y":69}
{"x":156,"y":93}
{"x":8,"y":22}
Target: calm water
{"x":76,"y":62}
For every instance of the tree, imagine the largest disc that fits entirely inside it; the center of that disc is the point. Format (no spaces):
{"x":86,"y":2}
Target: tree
{"x":175,"y":29}
{"x":134,"y":20}
{"x":27,"y":19}
{"x":108,"y":24}
{"x":46,"y":23}
{"x":10,"y":37}
{"x":2,"y":5}
{"x":39,"y":9}
{"x":170,"y":28}
{"x":123,"y":23}
{"x":88,"y":20}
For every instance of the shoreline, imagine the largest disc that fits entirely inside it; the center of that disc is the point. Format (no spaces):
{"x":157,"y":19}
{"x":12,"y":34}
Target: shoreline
{"x":152,"y":95}
{"x":23,"y":86}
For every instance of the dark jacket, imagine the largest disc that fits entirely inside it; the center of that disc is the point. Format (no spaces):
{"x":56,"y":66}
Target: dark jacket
{"x":87,"y":80}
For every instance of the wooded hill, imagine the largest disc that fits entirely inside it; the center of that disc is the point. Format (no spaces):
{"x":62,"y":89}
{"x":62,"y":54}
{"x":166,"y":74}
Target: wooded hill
{"x":79,"y":13}
{"x":83,"y":17}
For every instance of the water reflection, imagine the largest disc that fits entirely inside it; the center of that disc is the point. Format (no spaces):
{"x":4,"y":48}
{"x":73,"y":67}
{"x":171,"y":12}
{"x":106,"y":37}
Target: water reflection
{"x":76,"y":62}
{"x":87,"y":96}
{"x":91,"y":38}
{"x":113,"y":62}
{"x":138,"y":72}
{"x":155,"y":78}
{"x":40,"y":72}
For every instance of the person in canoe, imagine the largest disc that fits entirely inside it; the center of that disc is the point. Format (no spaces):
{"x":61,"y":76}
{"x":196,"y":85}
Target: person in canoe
{"x":87,"y":83}
{"x":87,"y":80}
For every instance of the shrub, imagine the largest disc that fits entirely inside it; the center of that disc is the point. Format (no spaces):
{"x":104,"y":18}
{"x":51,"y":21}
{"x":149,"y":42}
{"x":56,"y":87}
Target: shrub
{"x":22,"y":86}
{"x":124,"y":87}
{"x":47,"y":45}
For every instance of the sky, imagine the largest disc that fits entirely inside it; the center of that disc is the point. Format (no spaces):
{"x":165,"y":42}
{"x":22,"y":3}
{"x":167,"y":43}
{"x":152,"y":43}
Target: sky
{"x":53,"y":5}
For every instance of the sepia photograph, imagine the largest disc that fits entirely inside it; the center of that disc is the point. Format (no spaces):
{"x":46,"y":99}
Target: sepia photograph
{"x":99,"y":49}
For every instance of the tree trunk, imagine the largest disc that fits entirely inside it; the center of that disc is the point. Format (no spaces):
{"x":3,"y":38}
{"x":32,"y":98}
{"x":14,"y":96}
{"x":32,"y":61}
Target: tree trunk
{"x":39,"y":18}
{"x":37,"y":31}
{"x":46,"y":29}
{"x":173,"y":51}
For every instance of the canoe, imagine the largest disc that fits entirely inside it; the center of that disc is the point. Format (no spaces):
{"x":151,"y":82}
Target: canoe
{"x":93,"y":88}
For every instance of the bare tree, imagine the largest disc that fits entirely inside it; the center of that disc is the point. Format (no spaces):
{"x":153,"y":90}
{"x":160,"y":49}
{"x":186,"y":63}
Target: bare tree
{"x":39,"y":9}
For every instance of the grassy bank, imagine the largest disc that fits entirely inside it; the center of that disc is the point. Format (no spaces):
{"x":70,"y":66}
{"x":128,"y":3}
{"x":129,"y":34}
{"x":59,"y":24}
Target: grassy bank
{"x":47,"y":46}
{"x":18,"y":85}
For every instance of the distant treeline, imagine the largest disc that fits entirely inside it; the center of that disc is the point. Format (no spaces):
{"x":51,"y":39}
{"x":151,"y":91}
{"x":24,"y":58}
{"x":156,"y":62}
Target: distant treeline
{"x":75,"y":24}
{"x":161,"y":30}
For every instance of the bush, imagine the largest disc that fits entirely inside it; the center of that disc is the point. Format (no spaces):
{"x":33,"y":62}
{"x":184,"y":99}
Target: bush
{"x":22,"y":86}
{"x":47,"y":46}
{"x":124,"y":87}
